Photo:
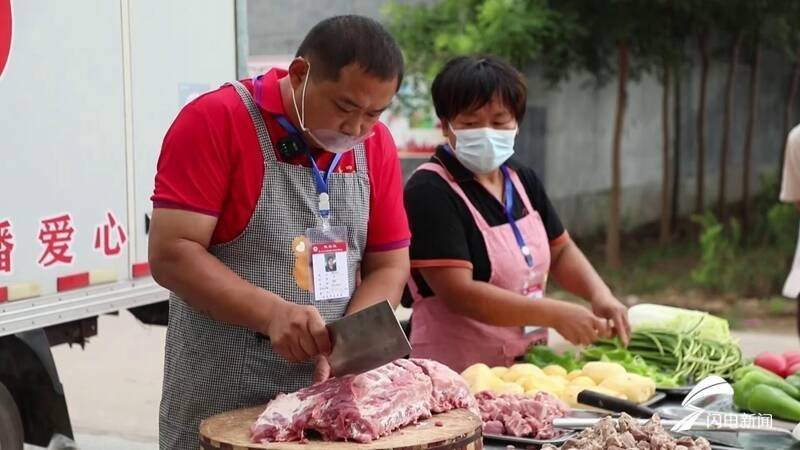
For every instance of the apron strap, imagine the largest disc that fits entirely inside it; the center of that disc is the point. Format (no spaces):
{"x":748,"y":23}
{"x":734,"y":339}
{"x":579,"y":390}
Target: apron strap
{"x":442,"y":172}
{"x":360,"y":154}
{"x":258,"y":122}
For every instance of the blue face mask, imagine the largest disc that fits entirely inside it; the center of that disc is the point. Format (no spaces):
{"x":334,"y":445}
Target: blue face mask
{"x":483,"y":150}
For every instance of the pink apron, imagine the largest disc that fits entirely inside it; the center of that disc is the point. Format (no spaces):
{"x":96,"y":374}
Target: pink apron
{"x":458,"y":341}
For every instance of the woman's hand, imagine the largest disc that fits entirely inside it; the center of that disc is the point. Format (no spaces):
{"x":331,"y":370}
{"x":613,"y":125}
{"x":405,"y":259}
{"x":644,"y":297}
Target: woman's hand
{"x":577,"y":324}
{"x":611,"y":309}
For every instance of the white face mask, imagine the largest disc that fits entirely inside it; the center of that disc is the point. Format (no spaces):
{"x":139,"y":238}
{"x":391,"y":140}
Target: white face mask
{"x":483,"y":150}
{"x":330,"y":140}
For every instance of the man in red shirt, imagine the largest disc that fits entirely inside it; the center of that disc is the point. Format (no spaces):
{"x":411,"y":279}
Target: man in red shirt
{"x":259,"y":184}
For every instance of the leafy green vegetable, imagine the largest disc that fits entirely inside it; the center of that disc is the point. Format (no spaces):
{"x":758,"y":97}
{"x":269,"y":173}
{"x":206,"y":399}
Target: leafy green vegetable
{"x":608,"y":351}
{"x":670,"y":357}
{"x":633,"y":363}
{"x":668,"y":318}
{"x":686,"y":355}
{"x":543,"y":356}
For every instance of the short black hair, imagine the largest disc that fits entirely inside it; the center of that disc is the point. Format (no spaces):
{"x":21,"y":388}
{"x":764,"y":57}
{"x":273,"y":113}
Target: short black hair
{"x":467,"y":83}
{"x":342,"y":40}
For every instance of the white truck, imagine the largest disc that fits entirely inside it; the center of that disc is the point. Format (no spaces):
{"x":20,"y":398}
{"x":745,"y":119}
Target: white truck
{"x":87,"y":90}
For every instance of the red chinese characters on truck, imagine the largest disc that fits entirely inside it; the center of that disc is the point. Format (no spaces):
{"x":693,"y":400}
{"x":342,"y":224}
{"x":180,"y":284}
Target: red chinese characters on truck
{"x":6,"y":246}
{"x":111,"y":245}
{"x":55,"y":236}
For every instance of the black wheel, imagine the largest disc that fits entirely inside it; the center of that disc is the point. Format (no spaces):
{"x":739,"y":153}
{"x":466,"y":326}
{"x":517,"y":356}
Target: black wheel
{"x":11,"y":433}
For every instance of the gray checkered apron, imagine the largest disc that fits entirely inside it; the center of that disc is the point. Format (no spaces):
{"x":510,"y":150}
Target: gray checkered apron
{"x":210,"y":366}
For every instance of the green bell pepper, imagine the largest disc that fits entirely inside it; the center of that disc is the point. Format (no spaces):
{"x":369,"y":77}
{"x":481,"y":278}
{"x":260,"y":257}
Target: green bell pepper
{"x":741,"y":372}
{"x":794,"y":380}
{"x":765,"y":399}
{"x":743,"y":389}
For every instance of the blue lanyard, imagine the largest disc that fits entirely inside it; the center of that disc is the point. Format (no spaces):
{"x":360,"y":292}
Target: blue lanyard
{"x":321,"y":178}
{"x":508,"y":207}
{"x":508,"y":197}
{"x":257,"y":86}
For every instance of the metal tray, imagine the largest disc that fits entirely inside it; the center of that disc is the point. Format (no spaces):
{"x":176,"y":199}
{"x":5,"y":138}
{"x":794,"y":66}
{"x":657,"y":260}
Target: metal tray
{"x":676,"y":391}
{"x":529,"y":441}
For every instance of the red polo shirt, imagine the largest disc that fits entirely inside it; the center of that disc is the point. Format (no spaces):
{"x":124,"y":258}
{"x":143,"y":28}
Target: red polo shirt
{"x":211,"y":163}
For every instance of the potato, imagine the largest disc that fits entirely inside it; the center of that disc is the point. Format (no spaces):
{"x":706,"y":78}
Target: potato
{"x":547,"y":384}
{"x":526,"y":369}
{"x":509,"y":388}
{"x":499,"y":371}
{"x":471,"y":373}
{"x":480,"y":387}
{"x":512,"y":376}
{"x":525,"y":381}
{"x":599,"y":371}
{"x":558,"y":381}
{"x":518,"y":371}
{"x":537,"y":383}
{"x":571,"y":394}
{"x":582,"y":381}
{"x":607,"y":391}
{"x":555,"y":370}
{"x":496,"y":384}
{"x":483,"y":382}
{"x":575,"y":374}
{"x":637,"y":388}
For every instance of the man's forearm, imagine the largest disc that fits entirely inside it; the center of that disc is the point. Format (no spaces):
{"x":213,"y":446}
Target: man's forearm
{"x":381,"y":284}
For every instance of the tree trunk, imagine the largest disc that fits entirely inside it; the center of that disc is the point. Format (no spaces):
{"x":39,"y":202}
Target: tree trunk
{"x":665,"y":160}
{"x":748,"y":141}
{"x":702,"y":43}
{"x":676,"y":167}
{"x":613,"y":238}
{"x":726,"y":128}
{"x":788,"y":108}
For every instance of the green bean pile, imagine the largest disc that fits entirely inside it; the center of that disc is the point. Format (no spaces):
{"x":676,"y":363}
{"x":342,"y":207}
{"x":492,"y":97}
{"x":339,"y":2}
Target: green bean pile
{"x":685,"y":355}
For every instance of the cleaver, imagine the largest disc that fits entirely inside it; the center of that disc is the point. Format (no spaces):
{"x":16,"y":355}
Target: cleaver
{"x":366,"y":340}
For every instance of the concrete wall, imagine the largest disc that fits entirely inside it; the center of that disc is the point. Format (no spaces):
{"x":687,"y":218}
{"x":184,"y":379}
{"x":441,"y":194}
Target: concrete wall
{"x":277,"y":27}
{"x":567,"y":132}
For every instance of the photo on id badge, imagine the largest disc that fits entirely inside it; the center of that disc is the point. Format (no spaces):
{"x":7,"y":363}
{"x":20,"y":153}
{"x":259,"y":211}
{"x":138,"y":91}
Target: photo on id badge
{"x":330,"y":262}
{"x":329,"y":268}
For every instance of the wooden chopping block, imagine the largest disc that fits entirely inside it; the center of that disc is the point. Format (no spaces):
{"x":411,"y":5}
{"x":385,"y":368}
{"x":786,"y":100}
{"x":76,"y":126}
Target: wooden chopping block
{"x":459,"y":430}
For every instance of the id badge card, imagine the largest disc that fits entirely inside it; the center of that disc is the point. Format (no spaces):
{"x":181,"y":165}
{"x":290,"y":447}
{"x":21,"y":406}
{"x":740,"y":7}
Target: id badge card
{"x":534,"y":284}
{"x":330,"y":271}
{"x":533,"y":288}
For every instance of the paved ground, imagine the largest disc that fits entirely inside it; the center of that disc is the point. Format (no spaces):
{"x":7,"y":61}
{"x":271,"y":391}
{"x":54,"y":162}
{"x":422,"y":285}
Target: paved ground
{"x":113,"y":386}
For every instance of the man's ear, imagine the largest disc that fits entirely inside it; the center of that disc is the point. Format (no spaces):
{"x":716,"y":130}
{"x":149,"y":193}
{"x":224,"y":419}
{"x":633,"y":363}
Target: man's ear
{"x":298,"y":69}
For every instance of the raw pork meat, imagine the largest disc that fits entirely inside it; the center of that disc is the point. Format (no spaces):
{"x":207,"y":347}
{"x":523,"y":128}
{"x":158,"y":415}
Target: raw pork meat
{"x":626,"y":433}
{"x":364,"y":407}
{"x":450,"y":391}
{"x":520,"y":415}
